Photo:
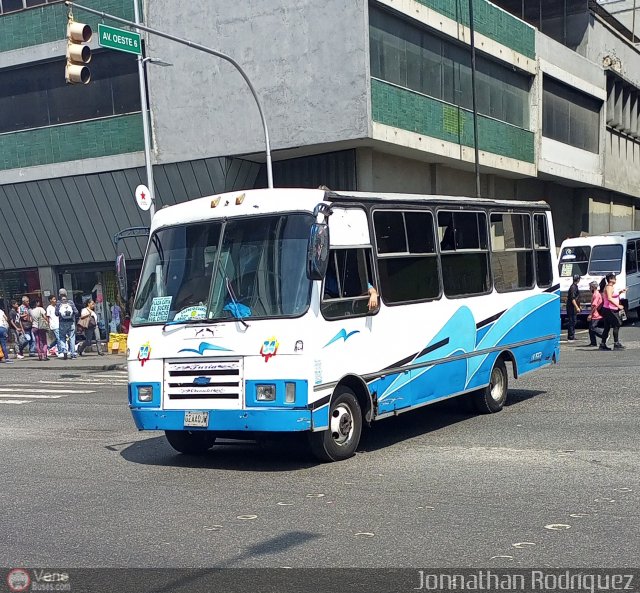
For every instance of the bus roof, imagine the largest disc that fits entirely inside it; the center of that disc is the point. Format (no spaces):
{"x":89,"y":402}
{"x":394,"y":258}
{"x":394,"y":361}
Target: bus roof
{"x":268,"y":201}
{"x":385,"y":197}
{"x":612,"y":237}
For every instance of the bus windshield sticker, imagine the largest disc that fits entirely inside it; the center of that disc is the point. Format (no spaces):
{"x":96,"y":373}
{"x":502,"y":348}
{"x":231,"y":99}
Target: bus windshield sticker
{"x":566,"y":269}
{"x":198,"y":312}
{"x":160,"y":307}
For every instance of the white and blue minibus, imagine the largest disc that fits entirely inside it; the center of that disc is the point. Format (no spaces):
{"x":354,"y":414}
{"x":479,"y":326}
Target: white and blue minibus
{"x":592,"y":257}
{"x":254,"y":312}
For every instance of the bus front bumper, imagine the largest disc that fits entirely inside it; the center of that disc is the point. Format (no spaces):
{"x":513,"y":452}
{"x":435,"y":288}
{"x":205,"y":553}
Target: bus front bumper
{"x":248,"y":420}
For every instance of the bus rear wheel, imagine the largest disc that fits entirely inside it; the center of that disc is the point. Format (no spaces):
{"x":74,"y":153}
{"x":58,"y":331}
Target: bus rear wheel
{"x":190,"y":442}
{"x":491,"y":399}
{"x":341,"y":440}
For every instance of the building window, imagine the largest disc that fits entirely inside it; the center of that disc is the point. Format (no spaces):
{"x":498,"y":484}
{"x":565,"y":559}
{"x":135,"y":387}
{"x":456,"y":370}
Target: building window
{"x":416,"y":58}
{"x":7,"y":6}
{"x":346,"y":284}
{"x":464,"y":253}
{"x":38,"y":96}
{"x":569,"y":116}
{"x":407,"y":258}
{"x":512,"y":255}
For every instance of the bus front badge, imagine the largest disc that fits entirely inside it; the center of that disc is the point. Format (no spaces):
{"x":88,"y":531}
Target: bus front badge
{"x":269,"y":348}
{"x":144,"y":353}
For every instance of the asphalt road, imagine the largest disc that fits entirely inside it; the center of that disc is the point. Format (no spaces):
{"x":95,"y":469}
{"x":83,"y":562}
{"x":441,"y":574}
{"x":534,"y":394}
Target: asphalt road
{"x":551,"y":481}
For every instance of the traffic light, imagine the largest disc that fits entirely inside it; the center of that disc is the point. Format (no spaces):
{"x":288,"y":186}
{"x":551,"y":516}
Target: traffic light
{"x":78,"y":54}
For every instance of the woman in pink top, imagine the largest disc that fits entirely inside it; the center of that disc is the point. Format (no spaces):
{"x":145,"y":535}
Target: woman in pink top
{"x":610,"y":312}
{"x":594,"y":317}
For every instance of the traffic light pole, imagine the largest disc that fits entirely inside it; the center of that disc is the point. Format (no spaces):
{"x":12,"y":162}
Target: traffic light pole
{"x":144,"y":103}
{"x":206,"y":50}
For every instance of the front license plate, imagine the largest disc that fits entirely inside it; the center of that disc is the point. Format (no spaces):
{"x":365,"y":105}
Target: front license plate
{"x":196,"y":419}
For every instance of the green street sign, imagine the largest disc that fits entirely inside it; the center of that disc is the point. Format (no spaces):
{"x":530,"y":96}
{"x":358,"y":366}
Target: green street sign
{"x":119,"y":39}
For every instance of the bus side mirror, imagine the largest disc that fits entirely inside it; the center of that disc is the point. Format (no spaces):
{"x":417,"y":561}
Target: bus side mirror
{"x":318,"y":251}
{"x":121,"y":276}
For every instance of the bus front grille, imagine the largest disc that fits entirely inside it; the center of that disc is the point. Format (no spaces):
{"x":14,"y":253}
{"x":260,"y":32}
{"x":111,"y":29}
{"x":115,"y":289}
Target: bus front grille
{"x":203,"y":380}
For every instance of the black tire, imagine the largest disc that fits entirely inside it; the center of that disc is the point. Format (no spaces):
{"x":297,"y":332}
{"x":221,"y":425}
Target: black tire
{"x":341,"y":440}
{"x":492,"y":398}
{"x":190,"y":442}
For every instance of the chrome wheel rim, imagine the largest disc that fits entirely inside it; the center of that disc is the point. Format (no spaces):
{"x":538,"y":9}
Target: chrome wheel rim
{"x":341,"y":424}
{"x":496,"y":388}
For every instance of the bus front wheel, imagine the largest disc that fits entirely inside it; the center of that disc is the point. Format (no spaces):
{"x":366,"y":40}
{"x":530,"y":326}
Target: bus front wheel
{"x":492,"y":398}
{"x":190,"y":442}
{"x":341,"y":440}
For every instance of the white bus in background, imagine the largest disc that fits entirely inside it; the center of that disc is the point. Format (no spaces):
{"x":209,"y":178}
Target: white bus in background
{"x":252,"y":312}
{"x":595,"y":256}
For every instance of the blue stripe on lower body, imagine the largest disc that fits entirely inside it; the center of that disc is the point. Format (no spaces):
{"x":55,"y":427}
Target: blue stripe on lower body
{"x":226,"y":420}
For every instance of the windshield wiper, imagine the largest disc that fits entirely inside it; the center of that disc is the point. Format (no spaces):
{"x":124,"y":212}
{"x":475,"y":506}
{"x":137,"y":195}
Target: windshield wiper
{"x":234,"y":309}
{"x":182,"y":322}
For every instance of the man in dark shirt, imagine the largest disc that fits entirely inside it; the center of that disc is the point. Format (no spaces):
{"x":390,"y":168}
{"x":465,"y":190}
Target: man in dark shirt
{"x":14,"y":324}
{"x":573,"y":308}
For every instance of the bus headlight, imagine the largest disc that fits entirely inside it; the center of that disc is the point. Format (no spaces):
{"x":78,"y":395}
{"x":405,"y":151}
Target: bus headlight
{"x":265,"y":393}
{"x":290,"y":393}
{"x":145,"y":393}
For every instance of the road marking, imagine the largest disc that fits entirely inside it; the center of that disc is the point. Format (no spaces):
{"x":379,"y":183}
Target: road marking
{"x":6,"y":395}
{"x":14,"y":401}
{"x":82,"y":382}
{"x":69,"y":391}
{"x":118,"y":376}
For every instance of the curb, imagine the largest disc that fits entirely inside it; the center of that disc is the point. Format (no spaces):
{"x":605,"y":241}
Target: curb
{"x":96,"y":368}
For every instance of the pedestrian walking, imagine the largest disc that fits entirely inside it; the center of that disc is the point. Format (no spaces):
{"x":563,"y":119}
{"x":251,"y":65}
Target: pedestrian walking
{"x":55,"y":347}
{"x":573,"y":308}
{"x":88,"y":321}
{"x":27,"y":326}
{"x":4,"y":332}
{"x":611,"y":308}
{"x":594,"y":317}
{"x":15,"y":328}
{"x":67,"y":313}
{"x":40,"y":328}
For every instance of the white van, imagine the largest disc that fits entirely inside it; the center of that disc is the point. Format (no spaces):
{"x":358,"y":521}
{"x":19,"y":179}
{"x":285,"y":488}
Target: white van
{"x":595,"y":256}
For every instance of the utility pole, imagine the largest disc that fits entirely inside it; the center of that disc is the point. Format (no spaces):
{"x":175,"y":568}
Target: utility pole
{"x":144,"y":104}
{"x":476,"y":151}
{"x":206,"y":50}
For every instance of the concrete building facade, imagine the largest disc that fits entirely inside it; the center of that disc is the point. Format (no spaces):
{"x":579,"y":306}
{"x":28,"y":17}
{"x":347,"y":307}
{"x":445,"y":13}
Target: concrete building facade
{"x":367,"y":95}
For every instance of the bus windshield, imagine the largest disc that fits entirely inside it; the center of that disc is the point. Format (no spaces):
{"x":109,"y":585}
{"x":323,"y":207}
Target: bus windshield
{"x":246,"y":267}
{"x":605,"y":259}
{"x":574,"y":260}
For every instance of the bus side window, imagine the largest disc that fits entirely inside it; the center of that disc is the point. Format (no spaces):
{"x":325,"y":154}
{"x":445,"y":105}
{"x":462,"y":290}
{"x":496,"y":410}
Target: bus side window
{"x":407,"y":258}
{"x":345,"y":287}
{"x":542,"y":247}
{"x":465,"y":264}
{"x":632,"y":263}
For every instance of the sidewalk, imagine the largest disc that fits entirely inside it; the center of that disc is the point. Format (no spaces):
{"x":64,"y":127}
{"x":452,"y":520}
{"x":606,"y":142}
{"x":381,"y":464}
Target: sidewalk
{"x":90,"y":361}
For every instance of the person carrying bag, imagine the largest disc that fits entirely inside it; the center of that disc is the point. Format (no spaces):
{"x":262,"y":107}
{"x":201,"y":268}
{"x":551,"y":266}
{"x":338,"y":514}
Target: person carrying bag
{"x":88,"y":322}
{"x":40,"y":326}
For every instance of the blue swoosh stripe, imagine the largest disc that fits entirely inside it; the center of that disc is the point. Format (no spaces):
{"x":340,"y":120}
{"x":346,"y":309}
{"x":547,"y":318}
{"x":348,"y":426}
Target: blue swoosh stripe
{"x":204,"y":346}
{"x":341,"y":334}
